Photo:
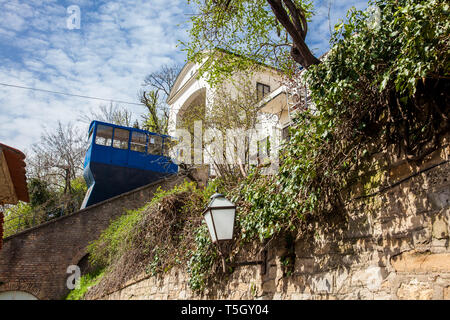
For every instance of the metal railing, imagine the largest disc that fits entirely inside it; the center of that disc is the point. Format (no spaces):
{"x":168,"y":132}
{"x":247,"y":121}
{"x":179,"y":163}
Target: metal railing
{"x":15,"y":223}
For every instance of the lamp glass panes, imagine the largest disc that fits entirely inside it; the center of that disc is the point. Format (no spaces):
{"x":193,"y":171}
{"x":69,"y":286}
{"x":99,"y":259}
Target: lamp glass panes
{"x":219,"y":217}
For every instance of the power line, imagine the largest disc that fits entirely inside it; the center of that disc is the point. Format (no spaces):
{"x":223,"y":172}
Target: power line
{"x":69,"y":94}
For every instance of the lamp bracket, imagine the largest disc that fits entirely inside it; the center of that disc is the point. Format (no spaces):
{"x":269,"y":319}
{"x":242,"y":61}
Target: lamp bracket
{"x":262,"y":262}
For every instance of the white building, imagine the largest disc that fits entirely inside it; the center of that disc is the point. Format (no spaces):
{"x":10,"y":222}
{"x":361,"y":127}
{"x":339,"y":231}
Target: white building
{"x":275,"y":109}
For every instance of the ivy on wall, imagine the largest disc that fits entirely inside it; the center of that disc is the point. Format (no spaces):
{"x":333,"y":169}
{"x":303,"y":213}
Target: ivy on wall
{"x":380,"y":85}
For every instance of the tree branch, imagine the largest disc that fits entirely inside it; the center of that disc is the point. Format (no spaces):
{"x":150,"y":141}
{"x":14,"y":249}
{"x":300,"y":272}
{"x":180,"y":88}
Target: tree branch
{"x":300,"y":51}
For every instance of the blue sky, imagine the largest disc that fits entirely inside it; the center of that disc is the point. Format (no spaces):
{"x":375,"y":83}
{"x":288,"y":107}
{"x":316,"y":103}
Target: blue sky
{"x":117,"y":45}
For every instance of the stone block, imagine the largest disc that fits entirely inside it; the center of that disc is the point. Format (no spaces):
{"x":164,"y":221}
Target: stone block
{"x":382,"y":295}
{"x":301,"y":296}
{"x":439,"y":245}
{"x":341,"y":280}
{"x":415,"y":290}
{"x":403,"y":225}
{"x":358,"y":228}
{"x":440,"y":198}
{"x":421,"y":238}
{"x":201,"y":174}
{"x":278,"y":296}
{"x":344,"y":247}
{"x":396,"y":245}
{"x":364,"y":294}
{"x":305,"y":265}
{"x":323,"y":283}
{"x":446,"y":293}
{"x":413,"y":261}
{"x":243,"y":287}
{"x":269,"y":287}
{"x":399,"y":171}
{"x":440,"y":228}
{"x":370,"y":278}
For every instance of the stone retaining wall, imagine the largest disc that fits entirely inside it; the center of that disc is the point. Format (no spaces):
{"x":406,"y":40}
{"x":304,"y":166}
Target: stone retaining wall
{"x":393,"y":244}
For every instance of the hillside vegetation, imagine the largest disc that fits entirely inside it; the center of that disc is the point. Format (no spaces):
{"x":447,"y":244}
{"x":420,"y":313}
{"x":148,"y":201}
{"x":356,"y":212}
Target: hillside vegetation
{"x":380,"y":86}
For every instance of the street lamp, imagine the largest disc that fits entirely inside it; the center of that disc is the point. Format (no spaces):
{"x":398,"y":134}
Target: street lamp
{"x":219,"y":216}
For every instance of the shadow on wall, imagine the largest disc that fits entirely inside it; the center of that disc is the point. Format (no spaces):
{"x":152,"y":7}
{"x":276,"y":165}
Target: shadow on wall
{"x":353,"y":255}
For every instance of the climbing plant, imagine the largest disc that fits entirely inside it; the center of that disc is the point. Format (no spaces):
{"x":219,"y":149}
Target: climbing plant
{"x":380,"y":85}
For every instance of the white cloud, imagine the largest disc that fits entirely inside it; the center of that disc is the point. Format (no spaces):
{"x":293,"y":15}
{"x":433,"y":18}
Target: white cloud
{"x":119,"y":43}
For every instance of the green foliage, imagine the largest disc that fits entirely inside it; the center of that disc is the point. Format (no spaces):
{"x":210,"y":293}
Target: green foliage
{"x":78,"y":191}
{"x":165,"y":232}
{"x":411,"y":43}
{"x":421,"y":29}
{"x":376,"y":87}
{"x":259,"y":216}
{"x":246,"y":28}
{"x":45,"y":204}
{"x":154,"y":120}
{"x":18,"y":218}
{"x":201,"y":260}
{"x":39,"y":192}
{"x":368,"y":93}
{"x":86,"y":282}
{"x":115,"y":239}
{"x":272,"y":204}
{"x":387,"y":83}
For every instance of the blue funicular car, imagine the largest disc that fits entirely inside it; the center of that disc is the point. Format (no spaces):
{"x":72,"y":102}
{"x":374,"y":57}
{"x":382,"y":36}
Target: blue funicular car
{"x":120,"y":159}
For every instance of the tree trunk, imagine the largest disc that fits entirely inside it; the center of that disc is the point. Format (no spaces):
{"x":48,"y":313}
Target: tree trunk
{"x":67,"y":185}
{"x":296,"y":26}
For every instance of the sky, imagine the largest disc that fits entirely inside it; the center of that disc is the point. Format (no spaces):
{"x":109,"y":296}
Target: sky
{"x":117,"y":43}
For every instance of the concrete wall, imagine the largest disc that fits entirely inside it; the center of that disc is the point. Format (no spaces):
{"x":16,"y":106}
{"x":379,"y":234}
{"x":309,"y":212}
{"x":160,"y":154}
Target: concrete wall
{"x":36,"y":260}
{"x":391,"y":245}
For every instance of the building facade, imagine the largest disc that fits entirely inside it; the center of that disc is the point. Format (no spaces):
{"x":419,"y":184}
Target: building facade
{"x":274,"y":105}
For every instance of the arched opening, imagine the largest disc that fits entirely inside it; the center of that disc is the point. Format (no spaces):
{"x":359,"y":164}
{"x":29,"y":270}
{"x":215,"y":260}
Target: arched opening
{"x":17,"y":295}
{"x":194,"y":109}
{"x":85,"y":265}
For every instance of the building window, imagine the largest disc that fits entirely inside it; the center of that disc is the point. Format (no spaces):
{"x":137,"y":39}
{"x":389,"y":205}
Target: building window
{"x":121,"y":137}
{"x":104,"y":135}
{"x":262,"y":90}
{"x":285,"y":133}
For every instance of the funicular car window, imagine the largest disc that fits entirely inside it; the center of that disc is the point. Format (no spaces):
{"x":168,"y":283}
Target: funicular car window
{"x":90,"y":136}
{"x":154,"y":144}
{"x":138,"y":141}
{"x":121,"y":137}
{"x":168,"y":145}
{"x":104,"y":135}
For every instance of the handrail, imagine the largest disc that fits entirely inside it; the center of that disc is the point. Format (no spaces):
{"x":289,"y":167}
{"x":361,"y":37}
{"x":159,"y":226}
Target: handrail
{"x":38,"y":216}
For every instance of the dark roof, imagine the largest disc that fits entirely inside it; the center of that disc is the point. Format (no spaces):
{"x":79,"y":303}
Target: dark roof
{"x":125,"y":128}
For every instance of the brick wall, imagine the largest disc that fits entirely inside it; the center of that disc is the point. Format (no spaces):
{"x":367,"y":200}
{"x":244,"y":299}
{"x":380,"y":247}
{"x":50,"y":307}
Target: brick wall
{"x":36,"y":260}
{"x":391,"y":245}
